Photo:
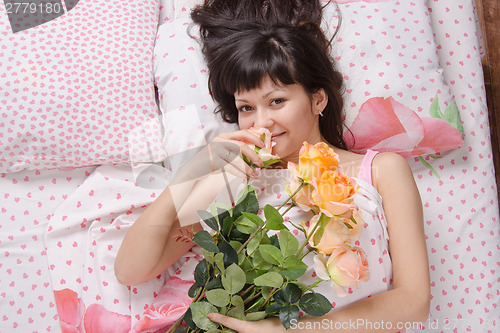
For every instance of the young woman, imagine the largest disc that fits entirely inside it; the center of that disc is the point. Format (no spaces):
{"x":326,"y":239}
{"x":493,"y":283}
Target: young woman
{"x":278,"y":76}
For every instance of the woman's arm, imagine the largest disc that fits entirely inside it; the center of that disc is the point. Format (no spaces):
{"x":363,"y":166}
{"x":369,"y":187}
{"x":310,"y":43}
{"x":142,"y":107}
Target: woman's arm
{"x":149,"y":246}
{"x":409,"y":301}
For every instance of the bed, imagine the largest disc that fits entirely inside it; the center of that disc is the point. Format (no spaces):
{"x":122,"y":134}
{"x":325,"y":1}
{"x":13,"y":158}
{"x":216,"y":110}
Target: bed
{"x":101,"y":103}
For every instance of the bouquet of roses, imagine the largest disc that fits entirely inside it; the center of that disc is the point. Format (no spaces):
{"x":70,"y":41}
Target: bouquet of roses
{"x":249,"y":275}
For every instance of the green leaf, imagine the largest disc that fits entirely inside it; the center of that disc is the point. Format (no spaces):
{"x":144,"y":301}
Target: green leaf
{"x":270,"y":279}
{"x":271,"y":161}
{"x":236,"y":235}
{"x":188,"y":318}
{"x":293,"y":274}
{"x":248,"y":203}
{"x":315,"y":304}
{"x":199,"y":311}
{"x":452,"y":117}
{"x":288,"y":295}
{"x":273,"y":308}
{"x":254,"y":243}
{"x":435,"y":110}
{"x":214,"y":330}
{"x":257,"y":304}
{"x":245,"y":225}
{"x":274,"y":241}
{"x":294,"y":263}
{"x":425,"y":163}
{"x":271,"y":254}
{"x":227,"y":224}
{"x":288,"y":314}
{"x":320,"y":230}
{"x":219,"y":262}
{"x":234,"y":280}
{"x":235,"y":244}
{"x":202,"y":272}
{"x":218,"y":297}
{"x":214,"y":284}
{"x":209,"y":219}
{"x":254,"y":316}
{"x":274,"y":218}
{"x":205,"y":240}
{"x":208,"y":255}
{"x":230,"y":255}
{"x":289,"y":245}
{"x":238,"y":310}
{"x":218,"y":210}
{"x":259,"y":262}
{"x":251,"y":275}
{"x":254,"y":218}
{"x":194,"y":290}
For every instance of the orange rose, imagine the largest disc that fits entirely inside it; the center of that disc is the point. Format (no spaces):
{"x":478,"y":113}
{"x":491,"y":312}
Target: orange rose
{"x":314,"y":160}
{"x":334,"y":194}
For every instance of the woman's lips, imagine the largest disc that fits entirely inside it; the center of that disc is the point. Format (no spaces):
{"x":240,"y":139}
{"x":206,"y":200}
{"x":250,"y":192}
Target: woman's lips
{"x":274,"y":136}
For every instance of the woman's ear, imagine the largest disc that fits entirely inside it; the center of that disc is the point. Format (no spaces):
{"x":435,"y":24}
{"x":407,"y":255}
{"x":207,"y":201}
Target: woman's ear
{"x":319,"y":101}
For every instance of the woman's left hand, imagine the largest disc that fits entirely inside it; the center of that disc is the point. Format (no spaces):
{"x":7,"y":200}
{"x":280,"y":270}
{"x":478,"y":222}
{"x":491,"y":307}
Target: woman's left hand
{"x":272,"y":325}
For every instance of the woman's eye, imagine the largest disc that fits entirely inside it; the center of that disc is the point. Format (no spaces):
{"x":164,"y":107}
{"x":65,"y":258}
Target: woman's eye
{"x":245,"y":108}
{"x":277,"y":101}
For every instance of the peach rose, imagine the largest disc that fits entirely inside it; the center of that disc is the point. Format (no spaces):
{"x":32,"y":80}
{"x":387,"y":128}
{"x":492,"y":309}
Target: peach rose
{"x":303,"y":197}
{"x":316,"y":159}
{"x":346,"y":267}
{"x":266,"y":152}
{"x":335,"y":234}
{"x":355,"y":228}
{"x":334,"y":194}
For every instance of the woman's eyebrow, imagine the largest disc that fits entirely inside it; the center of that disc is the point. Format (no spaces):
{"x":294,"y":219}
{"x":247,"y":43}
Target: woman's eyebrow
{"x":272,"y":91}
{"x":263,"y":96}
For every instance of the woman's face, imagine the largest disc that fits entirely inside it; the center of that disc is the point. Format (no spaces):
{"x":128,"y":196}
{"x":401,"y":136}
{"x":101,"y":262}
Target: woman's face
{"x":287,"y":111}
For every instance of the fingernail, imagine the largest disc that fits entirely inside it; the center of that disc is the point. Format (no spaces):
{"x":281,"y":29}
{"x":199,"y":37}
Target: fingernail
{"x":254,"y":175}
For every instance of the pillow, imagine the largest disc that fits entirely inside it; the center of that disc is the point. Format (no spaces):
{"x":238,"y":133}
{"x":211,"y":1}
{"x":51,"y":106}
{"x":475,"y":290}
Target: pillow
{"x":386,"y":52}
{"x":185,"y":103}
{"x":395,"y":95}
{"x":74,"y":88}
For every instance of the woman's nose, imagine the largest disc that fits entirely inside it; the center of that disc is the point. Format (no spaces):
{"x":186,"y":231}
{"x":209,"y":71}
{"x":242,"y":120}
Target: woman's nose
{"x":263,"y":118}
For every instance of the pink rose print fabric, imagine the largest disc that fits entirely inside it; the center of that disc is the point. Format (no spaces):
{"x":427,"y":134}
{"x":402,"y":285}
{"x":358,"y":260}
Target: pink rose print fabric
{"x":82,"y":239}
{"x":170,"y":304}
{"x":383,"y":124}
{"x":75,"y":317}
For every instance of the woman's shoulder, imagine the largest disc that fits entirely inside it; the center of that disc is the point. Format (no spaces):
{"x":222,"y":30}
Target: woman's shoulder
{"x":388,"y":168}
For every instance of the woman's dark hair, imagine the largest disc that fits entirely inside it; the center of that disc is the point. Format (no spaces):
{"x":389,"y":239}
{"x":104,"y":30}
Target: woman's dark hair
{"x":287,"y":45}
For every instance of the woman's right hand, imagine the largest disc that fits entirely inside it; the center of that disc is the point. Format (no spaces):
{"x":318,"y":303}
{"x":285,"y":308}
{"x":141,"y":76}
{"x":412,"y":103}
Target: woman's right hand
{"x":224,"y":153}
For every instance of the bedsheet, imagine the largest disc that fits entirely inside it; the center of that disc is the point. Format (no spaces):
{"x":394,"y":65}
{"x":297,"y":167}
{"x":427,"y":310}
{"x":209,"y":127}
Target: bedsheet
{"x":82,"y":239}
{"x":28,"y":201}
{"x":461,"y":206}
{"x":39,"y":209}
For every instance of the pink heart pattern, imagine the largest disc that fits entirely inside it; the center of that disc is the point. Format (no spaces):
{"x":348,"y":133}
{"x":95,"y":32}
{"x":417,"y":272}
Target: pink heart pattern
{"x":74,"y":88}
